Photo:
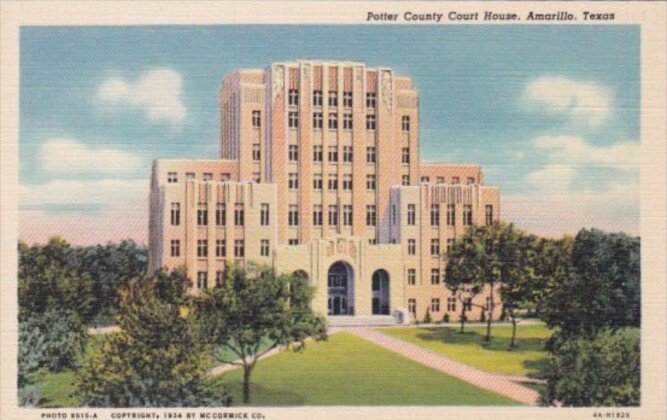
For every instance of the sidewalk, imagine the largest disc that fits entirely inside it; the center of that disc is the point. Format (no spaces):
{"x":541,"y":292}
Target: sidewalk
{"x":488,"y":381}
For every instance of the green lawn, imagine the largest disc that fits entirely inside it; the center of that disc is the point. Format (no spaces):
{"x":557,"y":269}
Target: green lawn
{"x":346,"y":370}
{"x":528,"y":358}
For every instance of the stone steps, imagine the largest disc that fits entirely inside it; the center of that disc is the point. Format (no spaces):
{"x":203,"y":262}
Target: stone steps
{"x":361,"y":321}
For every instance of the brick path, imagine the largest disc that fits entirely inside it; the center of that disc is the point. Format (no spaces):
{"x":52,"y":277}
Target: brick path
{"x":489,"y":381}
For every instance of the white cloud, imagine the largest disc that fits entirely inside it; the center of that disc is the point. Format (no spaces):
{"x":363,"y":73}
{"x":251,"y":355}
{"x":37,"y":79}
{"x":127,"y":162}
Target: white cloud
{"x":574,"y":150}
{"x":553,"y":178}
{"x":588,"y":102}
{"x":63,"y":155}
{"x":158,"y":93}
{"x":105,"y":193}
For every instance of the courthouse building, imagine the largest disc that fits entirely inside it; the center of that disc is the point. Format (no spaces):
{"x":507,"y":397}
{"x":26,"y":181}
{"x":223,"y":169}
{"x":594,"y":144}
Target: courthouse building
{"x":320,"y":173}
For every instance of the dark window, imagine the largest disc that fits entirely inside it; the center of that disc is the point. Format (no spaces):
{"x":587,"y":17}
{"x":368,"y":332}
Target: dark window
{"x":202,"y":214}
{"x":202,"y":248}
{"x":256,"y":119}
{"x":317,"y":98}
{"x":239,"y":248}
{"x":175,"y":214}
{"x":405,"y":123}
{"x":175,"y":248}
{"x":435,"y":214}
{"x":371,"y":215}
{"x":220,"y":248}
{"x":239,"y":214}
{"x":370,"y":99}
{"x":293,"y":97}
{"x":411,"y":214}
{"x":370,"y":122}
{"x":220,"y":214}
{"x":264,"y":214}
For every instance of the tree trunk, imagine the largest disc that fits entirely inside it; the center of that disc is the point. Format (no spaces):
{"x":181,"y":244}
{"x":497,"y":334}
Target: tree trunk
{"x":246,"y":384}
{"x":462,"y":318}
{"x":490,"y":318}
{"x":512,"y":344}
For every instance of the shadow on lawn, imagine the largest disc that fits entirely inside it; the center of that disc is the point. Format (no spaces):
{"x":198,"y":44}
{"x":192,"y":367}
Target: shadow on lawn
{"x":453,"y":336}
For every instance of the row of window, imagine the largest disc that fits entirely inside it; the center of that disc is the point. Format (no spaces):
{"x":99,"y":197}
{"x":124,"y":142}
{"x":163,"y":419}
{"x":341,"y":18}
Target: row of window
{"x":435,"y":305}
{"x":332,"y":98}
{"x":451,"y":214}
{"x":220,"y":248}
{"x":172,"y":177}
{"x":220,"y":214}
{"x":332,"y":121}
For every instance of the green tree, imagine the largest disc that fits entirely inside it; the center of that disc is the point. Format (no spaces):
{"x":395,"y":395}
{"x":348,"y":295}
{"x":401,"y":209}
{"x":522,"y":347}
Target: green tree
{"x":598,"y":288}
{"x":485,"y":257}
{"x":256,"y":311}
{"x":158,"y":359}
{"x":602,"y":370}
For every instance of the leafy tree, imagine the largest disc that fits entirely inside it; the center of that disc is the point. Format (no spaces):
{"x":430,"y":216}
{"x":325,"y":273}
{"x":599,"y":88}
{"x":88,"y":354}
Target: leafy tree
{"x":158,"y":359}
{"x":603,"y":370}
{"x":30,"y":356}
{"x":485,"y":257}
{"x":256,"y":311}
{"x":599,"y":288}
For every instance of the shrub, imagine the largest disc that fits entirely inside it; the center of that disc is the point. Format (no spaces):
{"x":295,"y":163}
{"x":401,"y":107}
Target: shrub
{"x":445,"y":318}
{"x":427,"y":317}
{"x":601,"y":371}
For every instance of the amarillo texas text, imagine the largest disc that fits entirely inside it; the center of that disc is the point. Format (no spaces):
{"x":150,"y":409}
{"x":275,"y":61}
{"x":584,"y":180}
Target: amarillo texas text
{"x":455,"y":16}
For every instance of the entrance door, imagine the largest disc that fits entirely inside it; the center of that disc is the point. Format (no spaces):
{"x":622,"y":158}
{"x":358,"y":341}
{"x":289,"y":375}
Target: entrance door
{"x":339,"y":283}
{"x":380,"y":293}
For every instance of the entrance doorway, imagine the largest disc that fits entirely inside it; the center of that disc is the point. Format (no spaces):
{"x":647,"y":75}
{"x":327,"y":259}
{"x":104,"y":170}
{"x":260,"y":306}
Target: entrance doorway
{"x":340,"y":281}
{"x":380,"y":293}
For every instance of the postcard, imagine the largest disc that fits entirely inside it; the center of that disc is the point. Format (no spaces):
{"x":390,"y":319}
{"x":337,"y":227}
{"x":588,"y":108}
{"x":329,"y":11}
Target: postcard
{"x":263,"y":210}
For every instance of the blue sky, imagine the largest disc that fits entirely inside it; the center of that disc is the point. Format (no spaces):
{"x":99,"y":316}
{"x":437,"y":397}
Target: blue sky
{"x":552,"y":112}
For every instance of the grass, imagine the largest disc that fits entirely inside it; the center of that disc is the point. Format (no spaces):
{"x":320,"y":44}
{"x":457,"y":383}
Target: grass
{"x":346,"y":370}
{"x":528,"y":358}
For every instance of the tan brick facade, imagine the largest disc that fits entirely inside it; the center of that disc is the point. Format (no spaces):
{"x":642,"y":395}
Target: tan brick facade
{"x":322,"y":156}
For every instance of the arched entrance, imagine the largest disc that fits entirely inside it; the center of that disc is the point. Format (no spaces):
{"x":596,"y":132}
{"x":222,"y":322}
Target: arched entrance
{"x":380,"y":293}
{"x":340,"y":282}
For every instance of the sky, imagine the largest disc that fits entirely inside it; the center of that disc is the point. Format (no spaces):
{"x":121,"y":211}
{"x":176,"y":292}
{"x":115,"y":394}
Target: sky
{"x":551,"y":112}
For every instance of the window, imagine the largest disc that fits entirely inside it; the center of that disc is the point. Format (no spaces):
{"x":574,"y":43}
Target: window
{"x":347,"y":215}
{"x":293,"y":215}
{"x":333,"y":120}
{"x":333,"y":215}
{"x":371,"y":215}
{"x":412,"y":307}
{"x":370,"y":182}
{"x":373,"y":241}
{"x":405,"y":155}
{"x":435,"y":276}
{"x":468,"y":304}
{"x":451,"y":304}
{"x":435,"y":247}
{"x":450,"y":243}
{"x":202,"y":248}
{"x":412,"y":276}
{"x":239,"y":248}
{"x":347,"y":182}
{"x":347,"y":121}
{"x":451,"y":215}
{"x":347,"y":99}
{"x":317,"y":215}
{"x":293,"y":97}
{"x":370,"y":99}
{"x":202,"y":280}
{"x":293,"y":119}
{"x":470,"y":180}
{"x":189,"y":175}
{"x":293,"y":241}
{"x":239,"y":214}
{"x":347,"y":154}
{"x":175,"y":214}
{"x":175,"y":248}
{"x":264,"y":248}
{"x":456,"y":180}
{"x":256,"y":119}
{"x":317,"y":98}
{"x":440,"y":180}
{"x":489,"y":214}
{"x":405,"y":123}
{"x":317,"y":120}
{"x":412,"y":247}
{"x":333,"y":154}
{"x":264,"y":214}
{"x":172,"y":177}
{"x":405,"y":180}
{"x":333,"y":182}
{"x":202,"y":214}
{"x":208,"y":176}
{"x":370,"y":122}
{"x":467,"y":215}
{"x":220,"y":214}
{"x":225,"y":177}
{"x":370,"y":155}
{"x":293,"y":152}
{"x":435,"y":214}
{"x":255,"y":177}
{"x":333,"y":98}
{"x":256,"y":153}
{"x":425,"y":180}
{"x":220,"y":248}
{"x":435,"y":305}
{"x":411,"y":214}
{"x":219,"y":278}
{"x":317,"y":153}
{"x":293,"y":181}
{"x":317,"y":182}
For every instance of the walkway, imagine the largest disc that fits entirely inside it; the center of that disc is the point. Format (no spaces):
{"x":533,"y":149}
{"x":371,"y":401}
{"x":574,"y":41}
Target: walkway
{"x":488,"y":381}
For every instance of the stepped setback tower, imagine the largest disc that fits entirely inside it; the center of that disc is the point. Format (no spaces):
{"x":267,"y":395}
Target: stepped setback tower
{"x":320,"y":173}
